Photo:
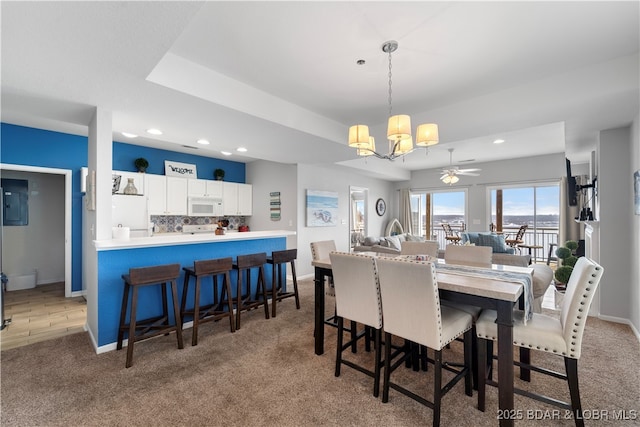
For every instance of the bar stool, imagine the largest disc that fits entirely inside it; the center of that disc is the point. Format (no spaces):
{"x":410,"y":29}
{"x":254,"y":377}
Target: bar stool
{"x":204,"y":313}
{"x":280,"y":259}
{"x":153,"y":326}
{"x":245,"y":301}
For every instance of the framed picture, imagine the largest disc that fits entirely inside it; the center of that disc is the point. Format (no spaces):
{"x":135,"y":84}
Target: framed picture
{"x":322,"y":208}
{"x":636,"y":192}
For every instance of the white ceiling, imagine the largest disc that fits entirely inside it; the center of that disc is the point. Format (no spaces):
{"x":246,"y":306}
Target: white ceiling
{"x":280,"y":78}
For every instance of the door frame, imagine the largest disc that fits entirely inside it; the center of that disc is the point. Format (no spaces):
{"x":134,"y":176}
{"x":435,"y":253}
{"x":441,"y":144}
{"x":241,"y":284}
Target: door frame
{"x":67,"y":215}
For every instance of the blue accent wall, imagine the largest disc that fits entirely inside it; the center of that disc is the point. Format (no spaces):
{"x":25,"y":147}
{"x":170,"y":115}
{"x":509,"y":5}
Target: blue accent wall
{"x":112,"y":264}
{"x":125,"y":154}
{"x":36,"y":147}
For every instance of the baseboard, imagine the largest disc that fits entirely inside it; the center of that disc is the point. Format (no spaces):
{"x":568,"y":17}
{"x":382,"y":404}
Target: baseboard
{"x":624,"y":322}
{"x":82,"y":293}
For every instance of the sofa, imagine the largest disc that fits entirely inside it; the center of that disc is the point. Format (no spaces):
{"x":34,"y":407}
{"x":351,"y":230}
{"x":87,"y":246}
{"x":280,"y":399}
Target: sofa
{"x":387,"y":245}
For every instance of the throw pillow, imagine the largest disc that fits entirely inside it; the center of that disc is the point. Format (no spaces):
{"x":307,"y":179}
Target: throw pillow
{"x":370,"y":241}
{"x":495,"y":241}
{"x":394,"y":242}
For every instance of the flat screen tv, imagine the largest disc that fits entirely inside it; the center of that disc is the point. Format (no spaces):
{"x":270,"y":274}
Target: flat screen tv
{"x":572,"y":188}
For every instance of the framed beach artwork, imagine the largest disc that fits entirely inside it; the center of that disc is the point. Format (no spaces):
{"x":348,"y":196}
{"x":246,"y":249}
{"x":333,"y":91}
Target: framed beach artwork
{"x":636,"y":192}
{"x":322,"y":208}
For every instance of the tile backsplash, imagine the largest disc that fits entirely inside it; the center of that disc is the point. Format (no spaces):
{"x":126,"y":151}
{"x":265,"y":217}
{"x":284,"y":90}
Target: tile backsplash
{"x":174,"y":223}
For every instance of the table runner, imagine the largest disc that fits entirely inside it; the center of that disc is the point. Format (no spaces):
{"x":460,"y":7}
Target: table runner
{"x":507,"y":276}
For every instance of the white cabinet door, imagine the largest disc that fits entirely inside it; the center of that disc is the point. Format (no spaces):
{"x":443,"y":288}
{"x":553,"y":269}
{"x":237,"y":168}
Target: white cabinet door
{"x":138,"y":180}
{"x":230,"y":198}
{"x":196,"y":187}
{"x":245,"y":204}
{"x":237,"y":199}
{"x":176,"y":196}
{"x":205,"y":188}
{"x":156,"y":187}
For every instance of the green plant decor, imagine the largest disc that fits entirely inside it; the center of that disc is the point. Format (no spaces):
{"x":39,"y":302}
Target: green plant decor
{"x":568,"y":260}
{"x":141,"y":164}
{"x":218,"y":174}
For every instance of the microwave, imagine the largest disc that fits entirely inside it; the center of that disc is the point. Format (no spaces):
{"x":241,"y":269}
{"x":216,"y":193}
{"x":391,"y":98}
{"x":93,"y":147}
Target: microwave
{"x":204,"y":206}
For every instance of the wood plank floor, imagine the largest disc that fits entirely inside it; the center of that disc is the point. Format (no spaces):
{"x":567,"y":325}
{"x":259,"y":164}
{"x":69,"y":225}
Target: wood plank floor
{"x":40,"y":314}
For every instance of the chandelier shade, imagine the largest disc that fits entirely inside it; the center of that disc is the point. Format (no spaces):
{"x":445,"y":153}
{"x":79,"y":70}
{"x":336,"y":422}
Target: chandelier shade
{"x":398,"y":128}
{"x":368,"y":151}
{"x":359,"y":136}
{"x":427,"y":135}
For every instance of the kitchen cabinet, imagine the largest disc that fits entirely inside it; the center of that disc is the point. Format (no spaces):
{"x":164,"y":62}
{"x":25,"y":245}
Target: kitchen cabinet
{"x":237,"y":199}
{"x":167,"y":194}
{"x":138,"y":180}
{"x":204,"y":188}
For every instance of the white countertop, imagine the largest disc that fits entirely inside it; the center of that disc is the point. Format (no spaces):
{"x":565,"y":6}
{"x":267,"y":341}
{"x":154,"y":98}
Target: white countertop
{"x":170,"y":239}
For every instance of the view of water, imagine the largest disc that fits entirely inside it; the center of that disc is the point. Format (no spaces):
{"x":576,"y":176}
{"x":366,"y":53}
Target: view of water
{"x":508,"y":221}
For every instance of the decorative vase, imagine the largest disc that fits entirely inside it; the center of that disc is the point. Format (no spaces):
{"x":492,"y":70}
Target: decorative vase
{"x":130,"y":188}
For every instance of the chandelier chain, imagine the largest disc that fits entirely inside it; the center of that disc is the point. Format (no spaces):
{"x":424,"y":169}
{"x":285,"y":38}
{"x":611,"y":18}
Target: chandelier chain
{"x":390,"y":91}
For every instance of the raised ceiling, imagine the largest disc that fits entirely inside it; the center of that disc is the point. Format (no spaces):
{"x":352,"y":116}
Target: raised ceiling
{"x":281,"y":79}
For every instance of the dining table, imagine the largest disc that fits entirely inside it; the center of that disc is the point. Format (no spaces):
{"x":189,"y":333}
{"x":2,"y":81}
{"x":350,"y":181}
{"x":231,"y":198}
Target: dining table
{"x":482,"y":287}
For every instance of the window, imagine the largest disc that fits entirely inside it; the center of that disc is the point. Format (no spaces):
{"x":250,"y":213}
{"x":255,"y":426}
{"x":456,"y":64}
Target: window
{"x":430,"y":209}
{"x":537,"y":206}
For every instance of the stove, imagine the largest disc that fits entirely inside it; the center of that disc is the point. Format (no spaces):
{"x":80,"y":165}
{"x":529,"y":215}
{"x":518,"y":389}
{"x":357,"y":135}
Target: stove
{"x":193,"y":229}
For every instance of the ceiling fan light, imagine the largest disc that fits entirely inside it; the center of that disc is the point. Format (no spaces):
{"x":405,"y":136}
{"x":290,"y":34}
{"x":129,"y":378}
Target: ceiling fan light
{"x":359,"y":136}
{"x":454,"y":179}
{"x":399,"y":127}
{"x":427,"y":134}
{"x":367,"y":151}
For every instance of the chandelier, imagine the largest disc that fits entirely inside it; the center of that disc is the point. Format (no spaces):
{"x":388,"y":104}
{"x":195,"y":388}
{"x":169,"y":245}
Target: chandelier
{"x":398,"y":129}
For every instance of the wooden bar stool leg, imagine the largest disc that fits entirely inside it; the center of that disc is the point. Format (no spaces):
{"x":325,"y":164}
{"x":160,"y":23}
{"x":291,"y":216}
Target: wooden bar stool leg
{"x":123,"y":315}
{"x":165,"y":306}
{"x":196,"y":312}
{"x":132,"y":327}
{"x":274,"y":288}
{"x":176,"y":313}
{"x":262,"y":285}
{"x":226,"y":283}
{"x":239,"y":299}
{"x":295,"y":285}
{"x":185,"y":291}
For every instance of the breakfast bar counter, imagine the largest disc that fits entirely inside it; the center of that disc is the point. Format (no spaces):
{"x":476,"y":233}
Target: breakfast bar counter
{"x":116,"y":257}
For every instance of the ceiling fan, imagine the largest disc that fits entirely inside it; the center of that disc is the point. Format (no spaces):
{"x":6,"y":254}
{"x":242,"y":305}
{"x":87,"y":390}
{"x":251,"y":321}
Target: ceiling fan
{"x":450,"y":174}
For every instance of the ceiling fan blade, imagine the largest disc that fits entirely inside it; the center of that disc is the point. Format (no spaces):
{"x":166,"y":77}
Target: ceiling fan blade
{"x":444,"y":176}
{"x":468,"y":173}
{"x":469,"y":170}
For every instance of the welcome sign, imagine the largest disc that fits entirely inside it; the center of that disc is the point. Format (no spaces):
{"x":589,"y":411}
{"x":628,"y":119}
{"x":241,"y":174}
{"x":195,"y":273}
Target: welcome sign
{"x":183,"y":170}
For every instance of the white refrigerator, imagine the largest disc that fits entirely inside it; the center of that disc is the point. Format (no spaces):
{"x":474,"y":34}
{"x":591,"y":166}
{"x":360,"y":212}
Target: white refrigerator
{"x":131,"y":211}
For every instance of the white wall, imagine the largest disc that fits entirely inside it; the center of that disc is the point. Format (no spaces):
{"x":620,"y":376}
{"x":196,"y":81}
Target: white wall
{"x":616,"y":210}
{"x":40,"y":244}
{"x":267,"y":177}
{"x":634,"y":299}
{"x":325,"y":179}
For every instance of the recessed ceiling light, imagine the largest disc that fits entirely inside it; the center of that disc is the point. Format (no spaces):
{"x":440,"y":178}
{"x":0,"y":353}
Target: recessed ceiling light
{"x":241,"y":149}
{"x":153,"y":131}
{"x":226,"y":153}
{"x":498,"y":141}
{"x":129,"y":135}
{"x":203,"y":142}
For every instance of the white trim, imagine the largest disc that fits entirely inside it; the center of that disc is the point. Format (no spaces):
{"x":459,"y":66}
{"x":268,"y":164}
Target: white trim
{"x":67,"y":213}
{"x":622,"y":321}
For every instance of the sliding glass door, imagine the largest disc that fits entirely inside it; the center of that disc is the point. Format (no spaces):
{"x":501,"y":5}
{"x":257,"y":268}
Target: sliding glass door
{"x":429,"y":210}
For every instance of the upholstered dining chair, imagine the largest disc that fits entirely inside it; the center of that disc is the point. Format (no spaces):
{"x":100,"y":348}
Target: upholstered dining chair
{"x":321,"y":250}
{"x":429,"y":247}
{"x":357,"y":290}
{"x":561,"y":336}
{"x":476,"y":256}
{"x":411,"y":310}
